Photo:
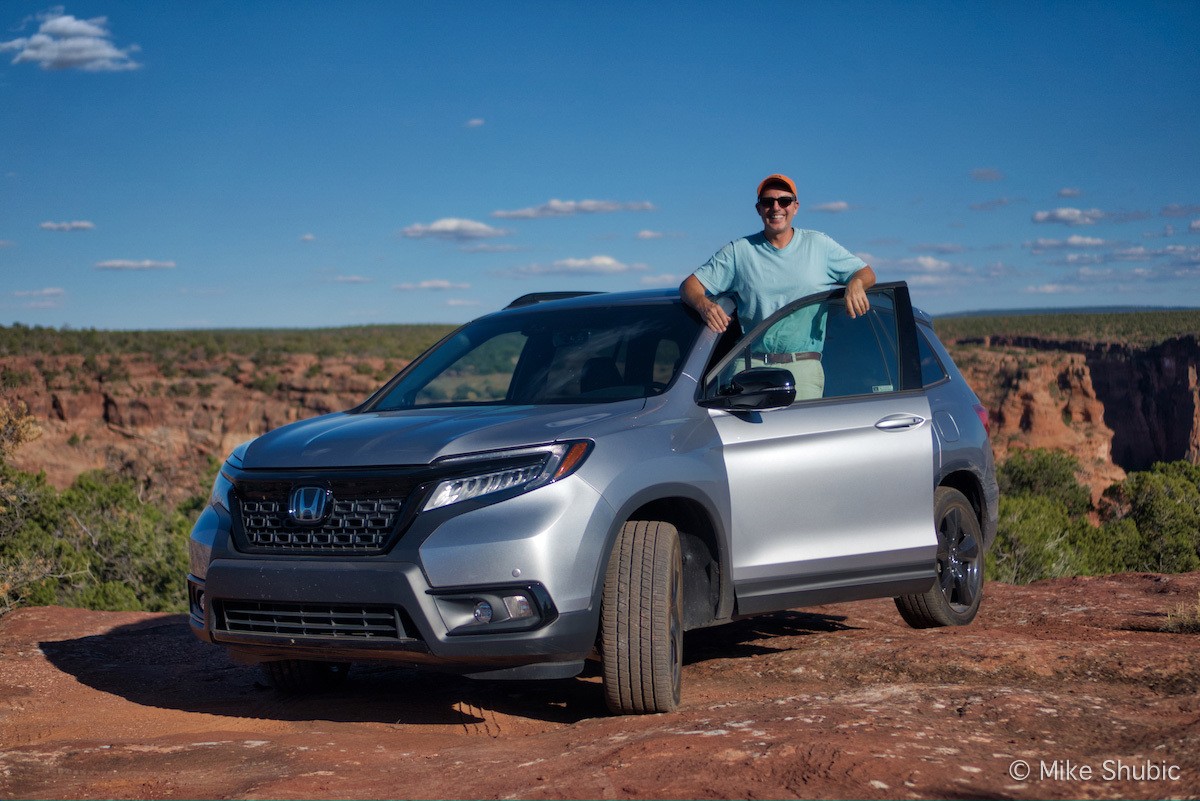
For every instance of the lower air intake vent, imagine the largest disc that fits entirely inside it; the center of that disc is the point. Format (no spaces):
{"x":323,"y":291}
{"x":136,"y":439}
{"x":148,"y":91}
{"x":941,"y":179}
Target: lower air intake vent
{"x":311,"y":620}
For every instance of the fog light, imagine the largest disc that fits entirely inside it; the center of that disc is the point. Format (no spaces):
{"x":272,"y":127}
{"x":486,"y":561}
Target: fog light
{"x":483,"y":612}
{"x":201,"y":601}
{"x":518,"y":607}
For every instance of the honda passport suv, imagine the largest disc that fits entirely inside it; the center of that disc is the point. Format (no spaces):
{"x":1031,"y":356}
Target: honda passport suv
{"x":592,"y":476}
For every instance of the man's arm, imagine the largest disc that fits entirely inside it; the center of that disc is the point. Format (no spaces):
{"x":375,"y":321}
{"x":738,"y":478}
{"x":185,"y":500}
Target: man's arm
{"x":694,"y":295}
{"x":856,"y":291}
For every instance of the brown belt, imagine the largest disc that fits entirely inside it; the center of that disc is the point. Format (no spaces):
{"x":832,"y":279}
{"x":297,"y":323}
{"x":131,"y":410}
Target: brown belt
{"x":787,"y":358}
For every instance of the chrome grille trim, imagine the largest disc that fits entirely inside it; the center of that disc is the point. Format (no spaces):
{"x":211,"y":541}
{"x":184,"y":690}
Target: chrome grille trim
{"x":356,"y":525}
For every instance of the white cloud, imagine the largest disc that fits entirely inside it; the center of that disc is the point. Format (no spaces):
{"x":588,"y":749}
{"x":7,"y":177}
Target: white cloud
{"x":435,"y":284}
{"x":1180,"y":210}
{"x":986,"y":174}
{"x":461,"y":302}
{"x":1068,"y":216}
{"x":930,"y":281}
{"x":1082,"y":258}
{"x":352,"y":279}
{"x":1138,"y":253}
{"x":595,"y":265}
{"x":489,"y":247}
{"x":77,"y":225}
{"x":647,"y":234}
{"x":8,"y":243}
{"x":1069,"y":191}
{"x":567,"y":208}
{"x":1074,"y":241}
{"x":453,"y":228}
{"x":1094,"y":274}
{"x":1053,"y":289}
{"x":48,"y":292}
{"x":927,"y":264}
{"x":129,"y":264}
{"x":833,"y":207}
{"x":48,"y":298}
{"x":64,"y":42}
{"x":308,"y":238}
{"x":666,"y":279}
{"x":1194,"y":226}
{"x":476,"y":122}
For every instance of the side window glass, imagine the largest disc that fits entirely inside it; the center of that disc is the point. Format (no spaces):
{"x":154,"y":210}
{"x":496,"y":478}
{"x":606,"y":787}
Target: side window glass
{"x":829,"y":354}
{"x":666,"y":359}
{"x":931,"y":367}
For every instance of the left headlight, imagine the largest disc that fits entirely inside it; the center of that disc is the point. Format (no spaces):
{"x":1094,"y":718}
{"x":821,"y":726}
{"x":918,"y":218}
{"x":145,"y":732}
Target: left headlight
{"x":527,"y":468}
{"x":221,"y":489}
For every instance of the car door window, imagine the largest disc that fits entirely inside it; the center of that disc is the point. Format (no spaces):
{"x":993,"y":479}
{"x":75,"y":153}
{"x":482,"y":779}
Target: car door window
{"x":829,"y":353}
{"x":932,"y":370}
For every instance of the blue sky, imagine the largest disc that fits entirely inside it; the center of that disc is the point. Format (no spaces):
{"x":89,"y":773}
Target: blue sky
{"x":265,"y":164}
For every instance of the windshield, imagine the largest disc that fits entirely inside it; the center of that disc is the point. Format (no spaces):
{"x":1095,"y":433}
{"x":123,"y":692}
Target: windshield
{"x":545,"y":356}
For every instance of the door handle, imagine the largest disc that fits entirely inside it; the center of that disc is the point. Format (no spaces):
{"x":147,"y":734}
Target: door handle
{"x":900,"y":422}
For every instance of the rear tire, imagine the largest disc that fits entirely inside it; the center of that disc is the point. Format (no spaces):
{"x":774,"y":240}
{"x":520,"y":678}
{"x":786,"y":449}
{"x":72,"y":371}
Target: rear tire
{"x":954,"y":598}
{"x":302,"y":676}
{"x":641,"y":638}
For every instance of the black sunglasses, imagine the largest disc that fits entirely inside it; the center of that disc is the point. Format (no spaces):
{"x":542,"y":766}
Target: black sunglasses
{"x":784,"y":202}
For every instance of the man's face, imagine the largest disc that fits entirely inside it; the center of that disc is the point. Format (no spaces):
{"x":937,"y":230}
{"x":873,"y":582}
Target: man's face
{"x":777,"y":218}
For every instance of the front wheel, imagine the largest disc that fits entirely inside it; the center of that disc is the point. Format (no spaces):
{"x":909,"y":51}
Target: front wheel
{"x":641,"y":637}
{"x":954,"y":598}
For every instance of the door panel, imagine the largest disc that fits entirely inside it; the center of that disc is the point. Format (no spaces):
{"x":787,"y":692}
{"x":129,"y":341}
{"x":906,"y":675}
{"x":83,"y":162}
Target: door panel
{"x":832,"y":497}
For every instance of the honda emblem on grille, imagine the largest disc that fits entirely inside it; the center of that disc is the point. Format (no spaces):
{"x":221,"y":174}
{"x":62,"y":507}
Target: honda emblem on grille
{"x":309,"y":504}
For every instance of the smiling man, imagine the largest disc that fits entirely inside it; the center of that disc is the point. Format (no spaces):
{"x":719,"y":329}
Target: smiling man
{"x":768,"y":270}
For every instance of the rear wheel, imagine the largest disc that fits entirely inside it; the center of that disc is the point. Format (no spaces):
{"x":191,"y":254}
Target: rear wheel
{"x":954,"y":598}
{"x":305,"y":676}
{"x":641,"y":634}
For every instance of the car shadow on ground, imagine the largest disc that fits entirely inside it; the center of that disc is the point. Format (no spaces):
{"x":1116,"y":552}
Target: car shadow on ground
{"x":159,"y":663}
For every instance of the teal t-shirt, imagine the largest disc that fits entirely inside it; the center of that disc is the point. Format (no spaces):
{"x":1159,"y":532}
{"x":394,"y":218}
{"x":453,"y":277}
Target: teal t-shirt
{"x":764,"y":278}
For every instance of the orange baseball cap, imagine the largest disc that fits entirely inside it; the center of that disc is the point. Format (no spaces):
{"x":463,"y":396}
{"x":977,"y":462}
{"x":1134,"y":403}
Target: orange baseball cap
{"x":776,"y":178}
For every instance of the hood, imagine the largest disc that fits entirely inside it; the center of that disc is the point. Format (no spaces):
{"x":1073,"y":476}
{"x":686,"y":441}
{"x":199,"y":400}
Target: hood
{"x":418,"y":436}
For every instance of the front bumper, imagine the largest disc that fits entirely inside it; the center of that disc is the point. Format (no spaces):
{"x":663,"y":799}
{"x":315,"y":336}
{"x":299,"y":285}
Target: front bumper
{"x":349,"y":611}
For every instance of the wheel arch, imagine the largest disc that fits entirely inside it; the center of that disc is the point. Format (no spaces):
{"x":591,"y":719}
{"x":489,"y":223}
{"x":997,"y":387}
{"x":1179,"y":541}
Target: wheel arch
{"x":968,"y":483}
{"x":708,"y":590}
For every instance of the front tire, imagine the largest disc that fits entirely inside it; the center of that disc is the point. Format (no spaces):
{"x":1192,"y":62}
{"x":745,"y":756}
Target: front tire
{"x":641,"y":638}
{"x":954,"y":598}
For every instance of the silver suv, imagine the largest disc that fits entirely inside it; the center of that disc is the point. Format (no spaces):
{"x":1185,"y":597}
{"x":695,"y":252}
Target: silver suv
{"x":591,"y":476}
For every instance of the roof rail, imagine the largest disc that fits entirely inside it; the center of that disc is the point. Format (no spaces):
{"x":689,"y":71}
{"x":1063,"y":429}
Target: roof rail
{"x":540,"y":297}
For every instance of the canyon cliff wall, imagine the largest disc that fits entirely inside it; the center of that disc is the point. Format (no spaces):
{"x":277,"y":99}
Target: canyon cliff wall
{"x":1115,"y":407}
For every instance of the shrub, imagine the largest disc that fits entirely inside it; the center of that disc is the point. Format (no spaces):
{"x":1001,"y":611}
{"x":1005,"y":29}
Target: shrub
{"x":1164,"y":504}
{"x":1035,"y":539}
{"x":1185,"y":619}
{"x":96,"y":544}
{"x":1044,"y":472}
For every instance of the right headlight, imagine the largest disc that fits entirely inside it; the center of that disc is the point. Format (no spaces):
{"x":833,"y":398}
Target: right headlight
{"x":547,"y":463}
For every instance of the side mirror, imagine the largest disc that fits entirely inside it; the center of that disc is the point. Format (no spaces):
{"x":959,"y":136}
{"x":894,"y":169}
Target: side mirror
{"x":756,"y":389}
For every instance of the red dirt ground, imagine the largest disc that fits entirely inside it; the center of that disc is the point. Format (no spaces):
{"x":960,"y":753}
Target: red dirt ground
{"x":1071,"y":676}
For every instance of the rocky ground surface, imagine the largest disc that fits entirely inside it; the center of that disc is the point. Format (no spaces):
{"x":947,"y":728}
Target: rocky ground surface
{"x":1060,"y":689}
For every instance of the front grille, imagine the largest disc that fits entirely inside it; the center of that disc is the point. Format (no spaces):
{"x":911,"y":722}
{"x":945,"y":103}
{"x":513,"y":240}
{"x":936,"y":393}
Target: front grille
{"x":365,"y":512}
{"x":361,"y":524}
{"x":311,"y":620}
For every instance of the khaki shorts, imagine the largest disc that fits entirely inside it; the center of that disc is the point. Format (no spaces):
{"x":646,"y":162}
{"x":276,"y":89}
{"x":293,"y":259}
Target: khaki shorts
{"x":808,"y":374}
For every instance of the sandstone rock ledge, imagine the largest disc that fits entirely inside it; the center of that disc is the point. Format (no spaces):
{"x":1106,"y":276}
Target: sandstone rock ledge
{"x":840,"y":701}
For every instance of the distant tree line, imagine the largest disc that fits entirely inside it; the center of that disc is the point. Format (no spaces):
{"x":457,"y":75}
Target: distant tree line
{"x":263,"y":345}
{"x":1140,"y":328}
